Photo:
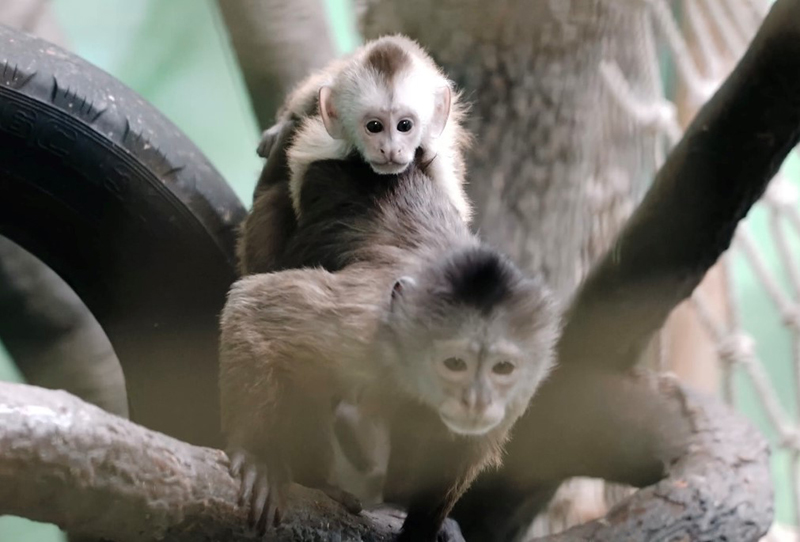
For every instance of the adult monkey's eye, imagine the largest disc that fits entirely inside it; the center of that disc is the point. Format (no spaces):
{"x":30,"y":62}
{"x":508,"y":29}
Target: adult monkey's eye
{"x":374,"y":126}
{"x":503,"y":368}
{"x":457,"y":365}
{"x":404,"y":125}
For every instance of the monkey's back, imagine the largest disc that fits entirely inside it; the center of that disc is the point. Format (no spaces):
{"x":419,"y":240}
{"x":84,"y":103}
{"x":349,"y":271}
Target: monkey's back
{"x":352,"y":214}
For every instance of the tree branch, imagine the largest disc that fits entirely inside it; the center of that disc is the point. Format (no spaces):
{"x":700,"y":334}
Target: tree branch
{"x":52,"y":336}
{"x":277,"y":43}
{"x":718,"y":489}
{"x":80,"y":461}
{"x":66,"y":462}
{"x":723,"y":164}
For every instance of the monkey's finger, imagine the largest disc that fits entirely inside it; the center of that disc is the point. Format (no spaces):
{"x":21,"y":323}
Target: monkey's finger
{"x":272,"y":517}
{"x":248,"y":479}
{"x":236,"y":461}
{"x":260,"y":497}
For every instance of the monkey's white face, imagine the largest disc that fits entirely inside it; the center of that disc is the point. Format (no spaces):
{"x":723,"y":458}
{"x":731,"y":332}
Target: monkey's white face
{"x":472,"y":352}
{"x":477,"y":382}
{"x":475,"y":372}
{"x":388,"y":138}
{"x":387,"y":120}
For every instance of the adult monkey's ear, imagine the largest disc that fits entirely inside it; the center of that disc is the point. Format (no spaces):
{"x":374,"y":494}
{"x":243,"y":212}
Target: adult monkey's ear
{"x":441,"y":110}
{"x":330,"y":117}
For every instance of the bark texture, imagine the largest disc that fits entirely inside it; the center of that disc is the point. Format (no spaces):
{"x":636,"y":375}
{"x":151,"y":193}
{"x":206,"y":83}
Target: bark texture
{"x":107,"y":477}
{"x":720,"y":489}
{"x":80,"y":460}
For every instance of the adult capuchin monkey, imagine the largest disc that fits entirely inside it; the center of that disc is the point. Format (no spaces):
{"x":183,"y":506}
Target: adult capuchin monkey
{"x":386,"y":293}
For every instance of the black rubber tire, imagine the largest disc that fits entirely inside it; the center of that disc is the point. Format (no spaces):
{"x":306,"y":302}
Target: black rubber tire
{"x":113,"y":197}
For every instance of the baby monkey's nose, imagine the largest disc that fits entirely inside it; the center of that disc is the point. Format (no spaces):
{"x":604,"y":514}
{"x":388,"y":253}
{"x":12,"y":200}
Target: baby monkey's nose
{"x":391,"y":154}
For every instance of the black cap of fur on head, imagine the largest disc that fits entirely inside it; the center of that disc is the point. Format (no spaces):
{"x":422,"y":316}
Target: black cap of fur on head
{"x":469,"y":277}
{"x":447,"y":290}
{"x":478,"y":277}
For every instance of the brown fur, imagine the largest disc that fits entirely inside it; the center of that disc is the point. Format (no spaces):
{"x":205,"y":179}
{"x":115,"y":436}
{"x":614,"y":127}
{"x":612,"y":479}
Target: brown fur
{"x":295,"y":341}
{"x":388,"y":59}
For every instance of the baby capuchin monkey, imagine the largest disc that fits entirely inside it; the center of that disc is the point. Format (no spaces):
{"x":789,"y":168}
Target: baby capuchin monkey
{"x":390,"y":297}
{"x":385,"y":101}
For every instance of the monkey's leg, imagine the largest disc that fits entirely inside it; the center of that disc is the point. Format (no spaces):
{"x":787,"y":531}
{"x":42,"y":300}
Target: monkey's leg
{"x":311,"y":449}
{"x":439,"y":484}
{"x":355,"y":441}
{"x":297,"y":449}
{"x":286,"y":351}
{"x":428,"y":478}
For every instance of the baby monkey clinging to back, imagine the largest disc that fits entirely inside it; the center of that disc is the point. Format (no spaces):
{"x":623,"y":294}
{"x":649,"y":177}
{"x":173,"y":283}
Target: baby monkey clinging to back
{"x":384,"y":101}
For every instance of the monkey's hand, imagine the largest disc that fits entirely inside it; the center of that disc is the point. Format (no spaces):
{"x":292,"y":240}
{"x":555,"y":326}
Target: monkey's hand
{"x":268,"y":139}
{"x":263,"y":488}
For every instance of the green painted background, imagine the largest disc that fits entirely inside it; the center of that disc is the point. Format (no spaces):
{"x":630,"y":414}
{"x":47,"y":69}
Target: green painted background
{"x":175,"y":54}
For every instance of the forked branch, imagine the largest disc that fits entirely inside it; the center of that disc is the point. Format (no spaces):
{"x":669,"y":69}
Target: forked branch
{"x":711,"y":179}
{"x":66,"y":462}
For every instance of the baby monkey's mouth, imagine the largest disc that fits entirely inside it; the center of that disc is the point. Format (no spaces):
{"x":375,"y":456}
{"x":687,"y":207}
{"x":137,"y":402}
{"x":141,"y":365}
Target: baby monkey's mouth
{"x":389,"y":167}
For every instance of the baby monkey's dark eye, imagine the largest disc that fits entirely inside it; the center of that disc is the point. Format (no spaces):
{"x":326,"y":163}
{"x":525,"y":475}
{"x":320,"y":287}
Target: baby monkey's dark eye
{"x":503,"y":368}
{"x":456,"y":365}
{"x":374,"y":127}
{"x":404,"y":125}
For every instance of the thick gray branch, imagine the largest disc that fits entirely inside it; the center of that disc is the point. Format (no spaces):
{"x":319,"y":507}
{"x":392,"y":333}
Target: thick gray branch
{"x":719,"y":488}
{"x":66,"y":462}
{"x":720,"y":168}
{"x":104,"y":476}
{"x":54,"y":339}
{"x":277,"y":43}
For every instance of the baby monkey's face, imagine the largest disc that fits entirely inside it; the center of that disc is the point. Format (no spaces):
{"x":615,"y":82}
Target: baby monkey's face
{"x":388,"y":139}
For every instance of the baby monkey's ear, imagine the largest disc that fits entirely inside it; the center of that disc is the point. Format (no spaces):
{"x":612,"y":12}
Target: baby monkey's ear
{"x":401,"y":287}
{"x":441,"y":110}
{"x":330,"y":117}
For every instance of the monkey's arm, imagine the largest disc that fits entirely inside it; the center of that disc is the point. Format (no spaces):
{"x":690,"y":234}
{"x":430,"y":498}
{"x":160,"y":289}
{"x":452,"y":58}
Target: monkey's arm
{"x":688,"y":218}
{"x":291,"y":342}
